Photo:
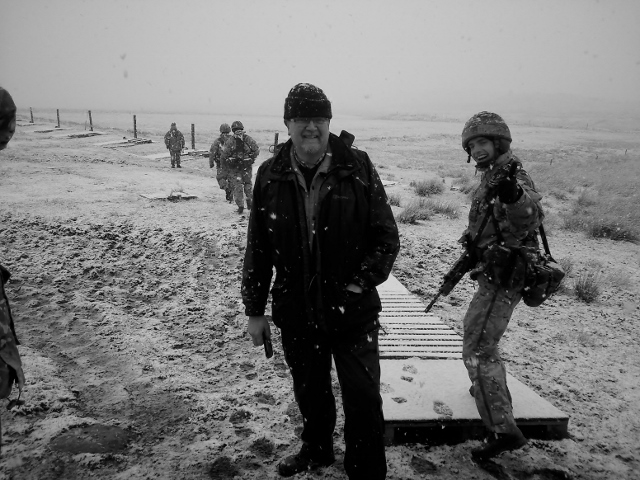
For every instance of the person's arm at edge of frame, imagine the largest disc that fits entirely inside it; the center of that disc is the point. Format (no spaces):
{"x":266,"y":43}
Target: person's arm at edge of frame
{"x":254,"y":147}
{"x":257,"y":271}
{"x":385,"y":243}
{"x":213,"y":152}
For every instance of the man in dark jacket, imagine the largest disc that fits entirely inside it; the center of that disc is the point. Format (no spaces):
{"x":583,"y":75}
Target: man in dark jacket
{"x":320,"y":216}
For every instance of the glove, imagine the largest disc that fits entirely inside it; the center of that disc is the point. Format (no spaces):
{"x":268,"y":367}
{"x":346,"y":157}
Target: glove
{"x":508,"y":190}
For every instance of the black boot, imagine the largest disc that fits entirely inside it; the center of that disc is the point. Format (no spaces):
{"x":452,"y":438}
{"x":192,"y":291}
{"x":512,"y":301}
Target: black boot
{"x":240,"y":209}
{"x":503,"y":442}
{"x":305,"y":460}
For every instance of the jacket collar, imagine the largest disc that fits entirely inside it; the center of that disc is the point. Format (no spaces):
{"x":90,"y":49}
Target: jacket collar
{"x":342,"y":157}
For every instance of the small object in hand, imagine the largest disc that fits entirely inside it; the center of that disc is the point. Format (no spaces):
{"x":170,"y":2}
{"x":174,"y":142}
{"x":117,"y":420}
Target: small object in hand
{"x":268,"y":346}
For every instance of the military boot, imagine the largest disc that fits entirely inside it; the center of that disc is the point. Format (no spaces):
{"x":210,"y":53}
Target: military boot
{"x":248,"y":204}
{"x":504,"y":442}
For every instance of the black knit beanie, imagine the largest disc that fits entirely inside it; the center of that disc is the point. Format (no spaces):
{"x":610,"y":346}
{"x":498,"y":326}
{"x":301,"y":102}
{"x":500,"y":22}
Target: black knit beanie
{"x":306,"y":100}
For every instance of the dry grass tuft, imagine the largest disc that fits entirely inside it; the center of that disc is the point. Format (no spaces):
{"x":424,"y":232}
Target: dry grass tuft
{"x":414,"y":212}
{"x":394,"y":199}
{"x":588,"y":286}
{"x":466,"y":183}
{"x":425,"y":188}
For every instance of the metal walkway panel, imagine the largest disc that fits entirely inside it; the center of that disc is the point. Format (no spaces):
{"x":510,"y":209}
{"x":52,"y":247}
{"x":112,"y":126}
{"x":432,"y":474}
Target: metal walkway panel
{"x":420,"y":393}
{"x":408,"y":332}
{"x":424,"y":383}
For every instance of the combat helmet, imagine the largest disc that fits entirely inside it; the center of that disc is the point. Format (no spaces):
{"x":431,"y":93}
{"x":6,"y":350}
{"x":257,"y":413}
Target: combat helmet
{"x":225,"y":128}
{"x":7,"y":118}
{"x":485,"y":124}
{"x":237,"y":125}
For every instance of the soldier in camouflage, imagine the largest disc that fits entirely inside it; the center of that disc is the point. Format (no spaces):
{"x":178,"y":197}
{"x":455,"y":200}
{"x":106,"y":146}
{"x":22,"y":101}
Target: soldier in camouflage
{"x":239,"y":153}
{"x":174,"y":141}
{"x":10,"y":363}
{"x":222,"y":171}
{"x":507,"y":194}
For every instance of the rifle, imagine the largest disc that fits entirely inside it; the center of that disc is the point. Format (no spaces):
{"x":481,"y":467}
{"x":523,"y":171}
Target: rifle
{"x":465,"y":262}
{"x":468,"y":258}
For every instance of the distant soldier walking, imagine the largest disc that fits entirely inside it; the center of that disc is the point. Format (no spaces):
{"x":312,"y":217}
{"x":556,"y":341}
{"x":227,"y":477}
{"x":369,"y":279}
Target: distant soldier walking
{"x":222,"y":171}
{"x":239,"y":153}
{"x":174,"y":141}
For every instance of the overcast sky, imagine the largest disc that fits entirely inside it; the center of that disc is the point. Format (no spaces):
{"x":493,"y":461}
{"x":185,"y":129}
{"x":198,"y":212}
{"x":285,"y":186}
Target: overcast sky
{"x":369,"y":56}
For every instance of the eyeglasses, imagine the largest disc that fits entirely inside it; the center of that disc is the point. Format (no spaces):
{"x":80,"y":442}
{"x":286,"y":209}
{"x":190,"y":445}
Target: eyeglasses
{"x":308,"y":120}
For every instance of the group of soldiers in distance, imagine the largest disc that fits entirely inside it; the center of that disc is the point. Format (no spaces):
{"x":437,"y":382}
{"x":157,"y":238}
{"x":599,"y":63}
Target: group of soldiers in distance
{"x":233,"y":153}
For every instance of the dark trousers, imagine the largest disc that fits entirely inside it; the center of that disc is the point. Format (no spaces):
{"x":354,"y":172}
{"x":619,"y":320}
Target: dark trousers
{"x":358,"y":368}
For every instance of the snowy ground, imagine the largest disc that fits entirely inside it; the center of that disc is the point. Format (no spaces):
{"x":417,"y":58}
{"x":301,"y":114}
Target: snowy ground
{"x":133,"y":335}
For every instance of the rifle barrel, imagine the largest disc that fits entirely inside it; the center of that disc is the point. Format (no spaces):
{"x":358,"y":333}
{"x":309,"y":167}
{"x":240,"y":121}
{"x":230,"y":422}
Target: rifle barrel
{"x":426,"y":310}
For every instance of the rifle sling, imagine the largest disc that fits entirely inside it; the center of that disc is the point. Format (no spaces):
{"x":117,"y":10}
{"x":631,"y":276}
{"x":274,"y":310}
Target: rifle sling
{"x":544,"y":240}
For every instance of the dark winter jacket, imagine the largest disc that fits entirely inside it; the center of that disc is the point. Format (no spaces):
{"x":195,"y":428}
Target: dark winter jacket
{"x":356,"y":241}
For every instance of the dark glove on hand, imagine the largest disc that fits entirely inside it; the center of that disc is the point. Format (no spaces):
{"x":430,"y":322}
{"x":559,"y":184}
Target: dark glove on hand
{"x":508,"y":190}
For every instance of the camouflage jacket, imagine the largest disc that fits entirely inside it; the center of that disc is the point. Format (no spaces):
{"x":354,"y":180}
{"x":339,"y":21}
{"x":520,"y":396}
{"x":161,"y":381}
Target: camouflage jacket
{"x":174,"y":140}
{"x":215,"y":151}
{"x":10,"y":363}
{"x":239,"y":153}
{"x":511,"y":227}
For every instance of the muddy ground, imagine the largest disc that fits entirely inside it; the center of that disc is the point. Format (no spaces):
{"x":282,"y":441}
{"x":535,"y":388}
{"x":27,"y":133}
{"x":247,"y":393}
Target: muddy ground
{"x":133,"y":336}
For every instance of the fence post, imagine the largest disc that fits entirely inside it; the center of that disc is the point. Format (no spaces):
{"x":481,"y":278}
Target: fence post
{"x":193,"y":136}
{"x":58,"y":115}
{"x":31,"y":111}
{"x":135,"y":131}
{"x":90,"y":122}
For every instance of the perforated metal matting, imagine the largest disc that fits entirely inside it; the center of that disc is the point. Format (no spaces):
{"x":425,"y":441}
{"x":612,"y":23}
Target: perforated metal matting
{"x":409,"y":332}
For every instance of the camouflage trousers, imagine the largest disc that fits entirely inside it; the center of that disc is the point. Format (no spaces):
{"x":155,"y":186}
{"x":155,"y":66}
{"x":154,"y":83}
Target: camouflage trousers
{"x":484,"y":324}
{"x":224,"y":182}
{"x":241,"y":184}
{"x":175,"y":158}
